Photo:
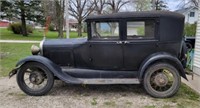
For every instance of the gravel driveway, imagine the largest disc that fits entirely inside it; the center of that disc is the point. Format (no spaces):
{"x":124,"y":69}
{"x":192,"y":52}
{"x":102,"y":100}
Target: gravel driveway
{"x":79,"y":96}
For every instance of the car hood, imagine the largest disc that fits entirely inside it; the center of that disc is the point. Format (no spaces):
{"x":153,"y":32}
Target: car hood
{"x":64,"y":42}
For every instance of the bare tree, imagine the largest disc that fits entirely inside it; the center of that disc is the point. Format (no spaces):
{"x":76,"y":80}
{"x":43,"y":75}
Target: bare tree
{"x":55,"y":9}
{"x":142,"y":5}
{"x":80,"y":9}
{"x":50,"y":10}
{"x":99,"y":6}
{"x":195,"y":2}
{"x":116,"y":5}
{"x":60,"y":6}
{"x":159,"y":4}
{"x":186,"y":3}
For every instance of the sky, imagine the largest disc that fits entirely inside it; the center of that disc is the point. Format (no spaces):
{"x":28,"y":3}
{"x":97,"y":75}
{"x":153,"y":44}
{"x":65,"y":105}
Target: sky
{"x":173,"y":4}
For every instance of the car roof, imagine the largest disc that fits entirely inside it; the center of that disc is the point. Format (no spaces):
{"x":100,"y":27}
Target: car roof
{"x":141,"y":14}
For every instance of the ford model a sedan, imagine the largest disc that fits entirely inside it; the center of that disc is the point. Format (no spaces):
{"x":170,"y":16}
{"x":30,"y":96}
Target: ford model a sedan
{"x":123,"y":48}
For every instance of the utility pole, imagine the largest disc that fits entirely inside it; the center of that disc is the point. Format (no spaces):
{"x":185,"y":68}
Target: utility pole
{"x":67,"y":18}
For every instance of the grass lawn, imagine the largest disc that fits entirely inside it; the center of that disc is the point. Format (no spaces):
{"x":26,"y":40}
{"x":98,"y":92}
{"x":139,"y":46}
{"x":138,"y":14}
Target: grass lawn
{"x":11,"y":53}
{"x":36,"y":35}
{"x":185,"y":98}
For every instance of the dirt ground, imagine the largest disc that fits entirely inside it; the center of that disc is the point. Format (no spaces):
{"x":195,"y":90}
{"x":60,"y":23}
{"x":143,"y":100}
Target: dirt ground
{"x":79,"y":96}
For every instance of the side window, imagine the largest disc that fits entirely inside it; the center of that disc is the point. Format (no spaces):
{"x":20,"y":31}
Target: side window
{"x":140,"y":29}
{"x":192,"y":14}
{"x":105,"y":30}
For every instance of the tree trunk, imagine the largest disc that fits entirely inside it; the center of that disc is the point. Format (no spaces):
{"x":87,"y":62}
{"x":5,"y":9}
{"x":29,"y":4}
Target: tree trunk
{"x":79,"y":29}
{"x":112,"y":28}
{"x":60,"y":29}
{"x":60,"y":18}
{"x":23,"y":20}
{"x":60,"y":25}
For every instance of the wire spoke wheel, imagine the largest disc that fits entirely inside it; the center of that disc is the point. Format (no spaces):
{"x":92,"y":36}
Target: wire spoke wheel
{"x":161,"y":80}
{"x":35,"y":79}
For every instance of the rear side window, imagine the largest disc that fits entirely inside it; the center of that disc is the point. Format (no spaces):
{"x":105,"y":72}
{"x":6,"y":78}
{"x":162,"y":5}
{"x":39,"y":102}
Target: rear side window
{"x":105,"y":30}
{"x":140,"y":29}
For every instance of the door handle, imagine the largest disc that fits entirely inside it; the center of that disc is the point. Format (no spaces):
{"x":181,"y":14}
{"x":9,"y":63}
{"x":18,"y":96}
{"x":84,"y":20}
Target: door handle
{"x":119,"y":42}
{"x":126,"y":42}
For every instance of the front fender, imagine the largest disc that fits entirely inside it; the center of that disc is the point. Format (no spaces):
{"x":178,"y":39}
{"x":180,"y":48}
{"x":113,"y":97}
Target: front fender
{"x":159,"y":57}
{"x":54,"y":68}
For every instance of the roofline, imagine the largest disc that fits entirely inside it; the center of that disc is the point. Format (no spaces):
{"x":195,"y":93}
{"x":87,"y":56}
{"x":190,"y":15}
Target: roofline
{"x":141,"y":14}
{"x":190,"y":8}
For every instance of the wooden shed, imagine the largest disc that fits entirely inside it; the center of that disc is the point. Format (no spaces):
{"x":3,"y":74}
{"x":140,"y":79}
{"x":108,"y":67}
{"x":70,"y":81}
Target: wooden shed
{"x":4,"y":23}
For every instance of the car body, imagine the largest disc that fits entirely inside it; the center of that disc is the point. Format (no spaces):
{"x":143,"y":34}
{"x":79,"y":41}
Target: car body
{"x":121,"y":48}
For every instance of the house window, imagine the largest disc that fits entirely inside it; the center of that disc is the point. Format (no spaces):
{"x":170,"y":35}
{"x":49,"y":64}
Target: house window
{"x":140,"y":29}
{"x":192,"y":14}
{"x":105,"y":30}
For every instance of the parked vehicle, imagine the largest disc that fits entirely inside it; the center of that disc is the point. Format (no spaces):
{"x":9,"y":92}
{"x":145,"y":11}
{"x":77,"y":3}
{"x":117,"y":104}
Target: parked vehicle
{"x":190,"y":42}
{"x":121,"y":48}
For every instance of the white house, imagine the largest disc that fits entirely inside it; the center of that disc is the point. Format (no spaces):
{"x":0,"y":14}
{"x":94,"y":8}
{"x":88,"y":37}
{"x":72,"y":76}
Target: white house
{"x":133,"y":28}
{"x":190,"y":13}
{"x":196,"y":65}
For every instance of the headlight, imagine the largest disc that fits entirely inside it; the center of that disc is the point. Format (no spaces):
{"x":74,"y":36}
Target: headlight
{"x":41,"y":47}
{"x":35,"y":49}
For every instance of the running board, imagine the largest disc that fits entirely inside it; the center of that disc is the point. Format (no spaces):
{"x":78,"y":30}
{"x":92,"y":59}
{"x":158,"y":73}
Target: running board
{"x":109,"y":81}
{"x":93,"y":74}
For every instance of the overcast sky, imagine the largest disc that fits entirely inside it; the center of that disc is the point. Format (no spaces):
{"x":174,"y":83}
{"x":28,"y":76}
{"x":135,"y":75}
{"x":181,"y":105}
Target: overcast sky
{"x":173,"y":4}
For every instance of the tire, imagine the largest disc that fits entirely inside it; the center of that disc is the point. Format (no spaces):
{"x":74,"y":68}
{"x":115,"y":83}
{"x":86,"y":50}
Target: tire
{"x":38,"y":74}
{"x":189,"y":46}
{"x":157,"y":82}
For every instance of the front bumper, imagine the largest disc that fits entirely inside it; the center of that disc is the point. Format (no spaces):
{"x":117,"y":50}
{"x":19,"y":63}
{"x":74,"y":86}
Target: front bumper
{"x":13,"y":72}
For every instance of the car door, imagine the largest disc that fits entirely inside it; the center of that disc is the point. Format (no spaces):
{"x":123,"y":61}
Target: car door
{"x":140,"y":42}
{"x":105,"y":47}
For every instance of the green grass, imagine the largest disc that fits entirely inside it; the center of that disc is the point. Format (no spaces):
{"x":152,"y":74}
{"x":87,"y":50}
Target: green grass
{"x":185,"y":98}
{"x":110,"y":103}
{"x":36,"y":35}
{"x":150,"y":106}
{"x":10,"y":53}
{"x":94,"y":101}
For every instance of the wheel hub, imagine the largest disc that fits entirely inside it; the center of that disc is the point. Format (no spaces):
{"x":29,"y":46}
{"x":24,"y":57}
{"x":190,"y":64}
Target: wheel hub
{"x":36,"y":78}
{"x":161,"y":79}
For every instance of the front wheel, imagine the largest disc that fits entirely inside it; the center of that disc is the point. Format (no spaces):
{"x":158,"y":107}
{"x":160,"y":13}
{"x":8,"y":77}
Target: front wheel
{"x":162,"y":80}
{"x":35,"y":79}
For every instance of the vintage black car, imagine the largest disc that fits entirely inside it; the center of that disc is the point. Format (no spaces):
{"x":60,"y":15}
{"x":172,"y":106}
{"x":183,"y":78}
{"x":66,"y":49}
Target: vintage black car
{"x":122,"y":48}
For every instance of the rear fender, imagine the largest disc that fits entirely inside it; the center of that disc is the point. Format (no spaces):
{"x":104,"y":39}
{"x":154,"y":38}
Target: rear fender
{"x":161,"y":57}
{"x":55,"y":69}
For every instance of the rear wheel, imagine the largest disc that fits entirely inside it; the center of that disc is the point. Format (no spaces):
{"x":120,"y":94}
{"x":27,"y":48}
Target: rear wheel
{"x":35,"y":79}
{"x":189,"y":46}
{"x":161,"y":80}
